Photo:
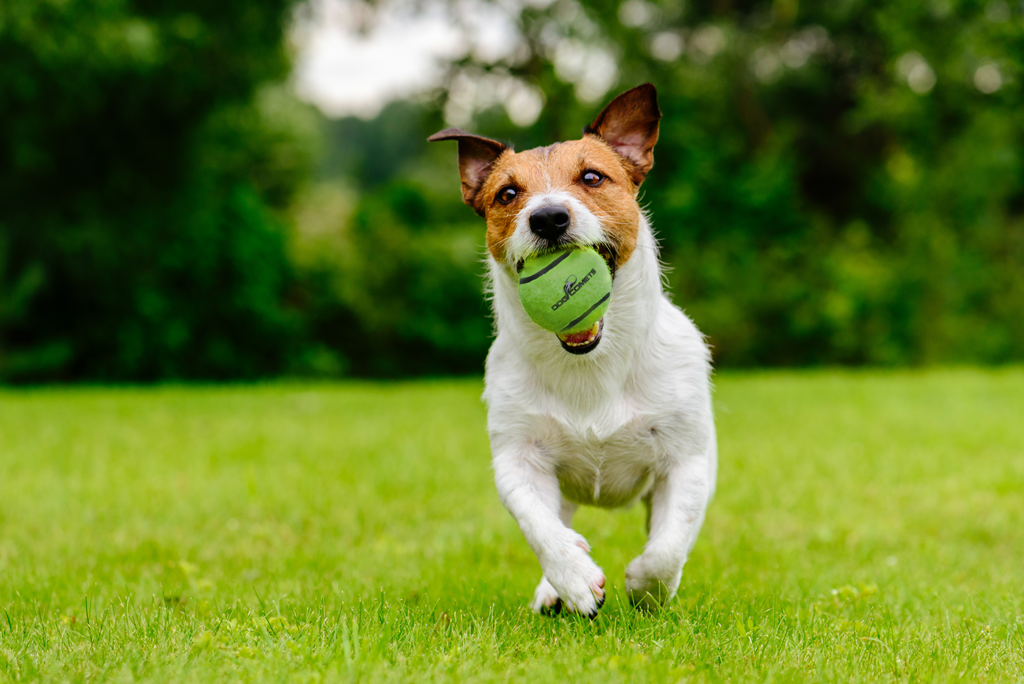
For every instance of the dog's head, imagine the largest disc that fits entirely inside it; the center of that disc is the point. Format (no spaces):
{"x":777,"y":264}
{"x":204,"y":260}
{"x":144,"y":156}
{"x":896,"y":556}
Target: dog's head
{"x":576,"y":192}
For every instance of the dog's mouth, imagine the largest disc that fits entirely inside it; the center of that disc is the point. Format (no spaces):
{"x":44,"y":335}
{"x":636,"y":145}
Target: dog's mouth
{"x":607,"y":253}
{"x":584,"y":341}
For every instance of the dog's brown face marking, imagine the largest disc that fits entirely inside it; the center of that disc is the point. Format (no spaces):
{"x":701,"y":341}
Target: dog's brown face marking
{"x":587,"y":169}
{"x":603,"y":170}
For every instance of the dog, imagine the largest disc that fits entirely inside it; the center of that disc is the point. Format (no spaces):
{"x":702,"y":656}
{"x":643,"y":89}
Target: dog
{"x":618,"y":413}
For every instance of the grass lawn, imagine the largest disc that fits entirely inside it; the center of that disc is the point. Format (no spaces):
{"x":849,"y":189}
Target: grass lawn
{"x":867,"y":526}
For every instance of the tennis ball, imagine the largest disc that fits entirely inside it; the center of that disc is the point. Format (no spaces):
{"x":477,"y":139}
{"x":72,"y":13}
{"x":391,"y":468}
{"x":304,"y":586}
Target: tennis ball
{"x":566,"y":291}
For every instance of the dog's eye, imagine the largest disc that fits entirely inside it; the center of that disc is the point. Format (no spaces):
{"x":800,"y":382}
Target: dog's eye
{"x":507,"y":194}
{"x":592,"y":178}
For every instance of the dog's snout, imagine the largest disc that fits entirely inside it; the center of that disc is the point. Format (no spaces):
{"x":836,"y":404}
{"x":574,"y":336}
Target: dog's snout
{"x":550,"y":222}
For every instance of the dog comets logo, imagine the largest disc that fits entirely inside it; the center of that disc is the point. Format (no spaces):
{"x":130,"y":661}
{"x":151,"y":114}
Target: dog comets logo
{"x":571,"y":287}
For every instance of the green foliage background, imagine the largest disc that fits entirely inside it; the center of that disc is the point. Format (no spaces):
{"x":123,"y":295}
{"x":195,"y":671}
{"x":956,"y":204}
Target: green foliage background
{"x":143,"y":167}
{"x":159,"y":219}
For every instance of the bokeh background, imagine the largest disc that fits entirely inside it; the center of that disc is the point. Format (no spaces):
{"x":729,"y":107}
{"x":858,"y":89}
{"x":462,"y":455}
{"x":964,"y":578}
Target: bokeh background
{"x":242,"y":189}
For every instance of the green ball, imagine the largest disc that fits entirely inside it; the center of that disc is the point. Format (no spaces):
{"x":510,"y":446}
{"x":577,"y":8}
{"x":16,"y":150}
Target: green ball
{"x":566,"y":291}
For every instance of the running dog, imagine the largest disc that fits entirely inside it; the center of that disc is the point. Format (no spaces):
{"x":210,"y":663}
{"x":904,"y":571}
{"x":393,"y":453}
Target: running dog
{"x":618,"y":413}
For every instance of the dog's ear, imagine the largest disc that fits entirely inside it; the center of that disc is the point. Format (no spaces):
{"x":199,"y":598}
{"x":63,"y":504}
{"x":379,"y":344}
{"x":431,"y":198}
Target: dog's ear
{"x":630,"y":125}
{"x":476,"y":157}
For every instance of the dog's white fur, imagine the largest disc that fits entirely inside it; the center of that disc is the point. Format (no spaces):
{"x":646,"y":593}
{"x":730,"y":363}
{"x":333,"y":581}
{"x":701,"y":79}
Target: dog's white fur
{"x":630,"y":420}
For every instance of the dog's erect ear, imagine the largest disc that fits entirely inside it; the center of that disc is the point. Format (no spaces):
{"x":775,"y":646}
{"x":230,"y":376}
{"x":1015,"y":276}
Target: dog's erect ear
{"x":476,"y":157}
{"x":630,"y":125}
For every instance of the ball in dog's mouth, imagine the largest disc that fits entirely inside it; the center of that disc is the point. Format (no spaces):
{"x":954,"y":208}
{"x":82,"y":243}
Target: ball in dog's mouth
{"x":584,"y":341}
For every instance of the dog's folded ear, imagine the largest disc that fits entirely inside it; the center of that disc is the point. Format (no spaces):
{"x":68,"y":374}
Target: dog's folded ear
{"x":630,"y":125}
{"x":476,"y":157}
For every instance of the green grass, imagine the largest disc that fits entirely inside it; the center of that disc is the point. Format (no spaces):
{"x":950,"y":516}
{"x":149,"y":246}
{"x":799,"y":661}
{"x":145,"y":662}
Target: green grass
{"x":867,"y":527}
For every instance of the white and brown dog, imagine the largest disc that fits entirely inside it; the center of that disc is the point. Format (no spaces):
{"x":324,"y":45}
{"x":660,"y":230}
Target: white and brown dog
{"x":606,"y":417}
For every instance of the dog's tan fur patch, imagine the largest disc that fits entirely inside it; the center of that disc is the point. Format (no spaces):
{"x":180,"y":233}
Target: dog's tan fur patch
{"x":560,"y":167}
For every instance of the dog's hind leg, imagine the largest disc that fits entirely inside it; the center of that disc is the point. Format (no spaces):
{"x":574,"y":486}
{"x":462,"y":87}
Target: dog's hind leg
{"x":531,"y":494}
{"x":676,"y":506}
{"x":545,"y":596}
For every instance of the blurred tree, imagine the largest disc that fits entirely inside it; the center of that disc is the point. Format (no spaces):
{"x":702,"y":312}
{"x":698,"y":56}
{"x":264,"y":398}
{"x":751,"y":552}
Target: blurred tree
{"x":391,"y":268}
{"x":143,"y":168}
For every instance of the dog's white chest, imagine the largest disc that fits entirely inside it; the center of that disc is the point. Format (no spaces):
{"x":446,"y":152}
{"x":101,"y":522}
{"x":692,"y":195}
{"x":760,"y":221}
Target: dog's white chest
{"x":601,"y":465}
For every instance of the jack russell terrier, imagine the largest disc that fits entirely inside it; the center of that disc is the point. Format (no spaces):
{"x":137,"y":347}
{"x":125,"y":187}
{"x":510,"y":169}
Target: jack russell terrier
{"x":615,"y":414}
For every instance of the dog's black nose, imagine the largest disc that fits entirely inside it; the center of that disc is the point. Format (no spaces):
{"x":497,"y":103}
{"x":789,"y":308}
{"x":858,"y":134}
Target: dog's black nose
{"x":550,"y":222}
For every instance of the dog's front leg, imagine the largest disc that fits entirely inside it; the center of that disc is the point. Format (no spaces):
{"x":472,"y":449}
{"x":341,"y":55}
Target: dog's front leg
{"x":530,"y":492}
{"x":676,"y":507}
{"x":545,"y":596}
